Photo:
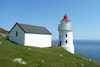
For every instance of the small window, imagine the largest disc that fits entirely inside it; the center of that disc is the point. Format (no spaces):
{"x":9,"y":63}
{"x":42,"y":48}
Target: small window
{"x":66,"y":35}
{"x":16,"y":33}
{"x":66,"y":41}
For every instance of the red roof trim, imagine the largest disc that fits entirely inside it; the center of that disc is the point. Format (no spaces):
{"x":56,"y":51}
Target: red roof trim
{"x":19,"y":26}
{"x":12,"y":28}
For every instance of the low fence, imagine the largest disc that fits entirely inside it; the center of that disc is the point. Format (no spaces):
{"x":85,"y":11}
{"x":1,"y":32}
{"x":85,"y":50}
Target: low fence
{"x":55,"y":44}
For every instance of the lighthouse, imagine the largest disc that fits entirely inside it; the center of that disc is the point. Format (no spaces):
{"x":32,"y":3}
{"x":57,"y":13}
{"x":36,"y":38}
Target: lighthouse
{"x":66,"y":34}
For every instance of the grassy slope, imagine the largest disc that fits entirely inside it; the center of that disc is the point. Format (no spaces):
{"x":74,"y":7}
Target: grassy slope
{"x":34,"y":57}
{"x":3,"y":31}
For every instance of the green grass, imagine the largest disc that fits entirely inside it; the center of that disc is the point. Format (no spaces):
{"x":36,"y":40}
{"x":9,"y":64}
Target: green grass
{"x":36,"y":56}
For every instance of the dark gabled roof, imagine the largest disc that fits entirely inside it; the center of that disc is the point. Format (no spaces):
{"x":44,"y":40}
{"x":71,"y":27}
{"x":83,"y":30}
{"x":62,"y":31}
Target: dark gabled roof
{"x":33,"y":29}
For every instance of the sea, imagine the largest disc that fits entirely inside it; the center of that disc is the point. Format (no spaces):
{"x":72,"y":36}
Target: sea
{"x":87,"y":48}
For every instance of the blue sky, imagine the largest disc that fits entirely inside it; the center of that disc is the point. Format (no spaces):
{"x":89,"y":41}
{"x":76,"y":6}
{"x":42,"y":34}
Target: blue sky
{"x":84,"y":15}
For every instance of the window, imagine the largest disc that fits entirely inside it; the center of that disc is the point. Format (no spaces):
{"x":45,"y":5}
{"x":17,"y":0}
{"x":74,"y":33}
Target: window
{"x":16,"y":33}
{"x":66,"y":41}
{"x":66,"y":35}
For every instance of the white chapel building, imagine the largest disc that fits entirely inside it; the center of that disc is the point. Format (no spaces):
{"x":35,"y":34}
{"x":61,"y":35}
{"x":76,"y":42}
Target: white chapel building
{"x":30,"y":35}
{"x":66,"y":34}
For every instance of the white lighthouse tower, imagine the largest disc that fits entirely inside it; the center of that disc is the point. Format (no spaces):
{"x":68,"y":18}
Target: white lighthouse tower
{"x":66,"y":34}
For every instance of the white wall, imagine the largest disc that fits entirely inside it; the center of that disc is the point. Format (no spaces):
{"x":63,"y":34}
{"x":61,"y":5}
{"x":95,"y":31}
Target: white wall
{"x":20,"y":38}
{"x":69,"y":37}
{"x":69,"y":46}
{"x":65,"y":28}
{"x":37,"y":40}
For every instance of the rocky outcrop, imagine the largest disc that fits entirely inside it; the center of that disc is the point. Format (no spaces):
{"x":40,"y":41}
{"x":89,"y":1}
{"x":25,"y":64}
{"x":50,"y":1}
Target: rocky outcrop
{"x":4,"y":35}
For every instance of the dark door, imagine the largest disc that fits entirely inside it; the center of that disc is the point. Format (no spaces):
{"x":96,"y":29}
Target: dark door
{"x":60,"y":43}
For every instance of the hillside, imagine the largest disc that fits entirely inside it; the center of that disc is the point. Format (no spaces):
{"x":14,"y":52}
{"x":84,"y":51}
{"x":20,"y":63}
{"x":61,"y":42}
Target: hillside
{"x":3,"y":31}
{"x":40,"y":57}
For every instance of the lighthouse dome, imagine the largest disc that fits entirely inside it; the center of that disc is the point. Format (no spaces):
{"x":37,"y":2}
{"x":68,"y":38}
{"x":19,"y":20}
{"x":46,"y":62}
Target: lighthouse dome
{"x":65,"y":24}
{"x":65,"y":18}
